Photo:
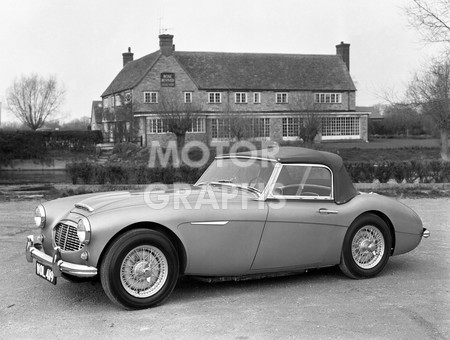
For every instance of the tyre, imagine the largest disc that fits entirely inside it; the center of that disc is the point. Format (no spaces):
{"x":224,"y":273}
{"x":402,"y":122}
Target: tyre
{"x":140,"y":269}
{"x":366,"y":247}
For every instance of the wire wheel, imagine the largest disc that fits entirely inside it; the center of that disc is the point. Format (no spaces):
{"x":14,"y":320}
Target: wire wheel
{"x":144,"y":271}
{"x":368,"y":247}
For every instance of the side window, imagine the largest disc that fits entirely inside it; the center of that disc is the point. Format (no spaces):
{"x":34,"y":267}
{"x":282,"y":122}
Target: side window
{"x":304,"y":181}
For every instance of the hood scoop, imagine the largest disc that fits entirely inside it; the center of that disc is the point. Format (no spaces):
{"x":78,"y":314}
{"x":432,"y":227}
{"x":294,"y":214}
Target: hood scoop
{"x":84,"y":206}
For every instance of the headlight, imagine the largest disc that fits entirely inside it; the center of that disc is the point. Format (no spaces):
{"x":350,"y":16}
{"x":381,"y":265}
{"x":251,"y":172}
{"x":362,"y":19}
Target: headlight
{"x":39,"y":216}
{"x":84,"y":230}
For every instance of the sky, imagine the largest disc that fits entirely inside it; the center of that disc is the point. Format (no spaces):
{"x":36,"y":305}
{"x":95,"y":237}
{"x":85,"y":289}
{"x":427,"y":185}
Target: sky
{"x":81,"y":41}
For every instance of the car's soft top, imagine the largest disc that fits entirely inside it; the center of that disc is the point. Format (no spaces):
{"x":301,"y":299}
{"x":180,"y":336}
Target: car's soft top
{"x":344,"y":189}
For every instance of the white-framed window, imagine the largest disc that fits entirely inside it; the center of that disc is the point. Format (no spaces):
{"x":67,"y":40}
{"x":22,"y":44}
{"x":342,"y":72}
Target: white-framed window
{"x":260,"y":127}
{"x":188,"y":97}
{"x":331,"y":98}
{"x":281,"y":97}
{"x":151,"y":97}
{"x":240,"y":97}
{"x":214,"y":97}
{"x":156,"y":125}
{"x":340,"y":127}
{"x":220,"y":128}
{"x":256,"y":97}
{"x":291,"y":127}
{"x":105,"y":102}
{"x":198,"y":125}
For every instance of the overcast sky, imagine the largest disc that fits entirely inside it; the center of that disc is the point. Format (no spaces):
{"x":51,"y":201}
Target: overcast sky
{"x":81,"y":41}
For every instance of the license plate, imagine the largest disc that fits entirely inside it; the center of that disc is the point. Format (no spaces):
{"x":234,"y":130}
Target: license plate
{"x":46,"y":272}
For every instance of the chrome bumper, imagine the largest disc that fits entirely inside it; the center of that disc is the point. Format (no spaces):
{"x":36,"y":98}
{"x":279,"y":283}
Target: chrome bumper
{"x":426,"y":233}
{"x":58,"y":266}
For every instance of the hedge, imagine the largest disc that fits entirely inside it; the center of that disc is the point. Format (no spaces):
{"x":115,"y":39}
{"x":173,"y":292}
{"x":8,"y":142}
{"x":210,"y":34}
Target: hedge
{"x":360,"y":172}
{"x":94,"y":173}
{"x":37,"y":144}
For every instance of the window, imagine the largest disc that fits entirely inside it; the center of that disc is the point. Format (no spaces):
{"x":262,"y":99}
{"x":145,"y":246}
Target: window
{"x":331,"y":98}
{"x":214,"y":97}
{"x":304,"y":181}
{"x":106,"y":102}
{"x":281,"y":98}
{"x":117,"y":100}
{"x":151,"y":97}
{"x":291,"y":126}
{"x":256,"y":98}
{"x":111,"y":101}
{"x":188,"y":97}
{"x":240,"y":97}
{"x":198,"y":125}
{"x":340,"y":127}
{"x":260,"y":127}
{"x":220,"y":128}
{"x":156,"y":125}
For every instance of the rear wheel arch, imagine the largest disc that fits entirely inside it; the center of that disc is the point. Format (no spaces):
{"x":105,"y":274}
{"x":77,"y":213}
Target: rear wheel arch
{"x":366,"y":247}
{"x":389,"y":223}
{"x":181,"y":251}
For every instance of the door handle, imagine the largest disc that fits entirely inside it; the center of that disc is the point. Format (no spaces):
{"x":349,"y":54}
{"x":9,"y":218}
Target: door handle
{"x":325,"y":211}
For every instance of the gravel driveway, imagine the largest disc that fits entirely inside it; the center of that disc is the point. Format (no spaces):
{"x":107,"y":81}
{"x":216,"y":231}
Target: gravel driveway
{"x":410,"y":300}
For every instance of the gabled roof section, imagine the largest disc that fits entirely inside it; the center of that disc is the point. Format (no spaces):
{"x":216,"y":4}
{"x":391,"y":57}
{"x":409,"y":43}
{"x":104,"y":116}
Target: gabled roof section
{"x":132,"y":73}
{"x":257,"y":71}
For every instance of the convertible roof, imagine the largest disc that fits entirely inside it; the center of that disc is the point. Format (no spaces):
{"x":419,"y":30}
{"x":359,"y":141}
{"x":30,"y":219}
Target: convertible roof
{"x":344,"y":189}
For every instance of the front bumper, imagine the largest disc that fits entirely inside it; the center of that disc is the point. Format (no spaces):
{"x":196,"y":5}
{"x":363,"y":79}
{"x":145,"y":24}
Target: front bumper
{"x":58,"y":265}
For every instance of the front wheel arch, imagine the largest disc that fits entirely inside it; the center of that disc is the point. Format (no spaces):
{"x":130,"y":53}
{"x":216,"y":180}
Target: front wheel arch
{"x":140,"y":269}
{"x":181,"y":251}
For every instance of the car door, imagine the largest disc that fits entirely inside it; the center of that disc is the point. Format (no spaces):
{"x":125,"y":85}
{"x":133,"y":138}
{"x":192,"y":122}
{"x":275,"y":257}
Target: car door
{"x":304,"y":227}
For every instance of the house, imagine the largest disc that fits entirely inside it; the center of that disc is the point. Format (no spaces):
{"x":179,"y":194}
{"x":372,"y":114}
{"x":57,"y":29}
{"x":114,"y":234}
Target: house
{"x":275,"y":93}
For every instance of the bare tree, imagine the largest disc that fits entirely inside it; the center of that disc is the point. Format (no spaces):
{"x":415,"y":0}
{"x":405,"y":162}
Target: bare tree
{"x":32,"y":99}
{"x":431,"y":18}
{"x":310,"y":124}
{"x":178,"y":116}
{"x":430,"y":90}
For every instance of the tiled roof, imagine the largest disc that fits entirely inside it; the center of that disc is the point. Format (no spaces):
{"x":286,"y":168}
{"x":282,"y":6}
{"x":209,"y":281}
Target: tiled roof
{"x":255,"y":71}
{"x":132,"y":73}
{"x":247,"y":71}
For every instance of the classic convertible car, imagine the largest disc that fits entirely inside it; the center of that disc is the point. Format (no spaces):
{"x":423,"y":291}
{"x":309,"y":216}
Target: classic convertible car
{"x":250,"y":215}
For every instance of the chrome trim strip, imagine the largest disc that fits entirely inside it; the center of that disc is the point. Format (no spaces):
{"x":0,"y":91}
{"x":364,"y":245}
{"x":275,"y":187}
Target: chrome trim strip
{"x":210,"y":223}
{"x":247,"y":157}
{"x":59,"y":266}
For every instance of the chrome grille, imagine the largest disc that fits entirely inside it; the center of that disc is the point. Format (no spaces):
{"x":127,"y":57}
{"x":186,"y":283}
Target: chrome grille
{"x":66,"y":237}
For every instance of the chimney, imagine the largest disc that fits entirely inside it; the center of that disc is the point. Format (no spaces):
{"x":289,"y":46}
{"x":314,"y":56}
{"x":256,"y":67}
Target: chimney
{"x":166,"y":44}
{"x":127,"y":56}
{"x":344,"y":51}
